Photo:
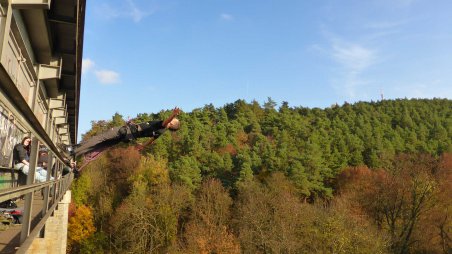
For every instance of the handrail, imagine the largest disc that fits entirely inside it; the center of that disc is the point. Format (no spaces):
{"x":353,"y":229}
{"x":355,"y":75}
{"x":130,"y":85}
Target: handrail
{"x":60,"y":186}
{"x":7,"y":168}
{"x":34,"y":233}
{"x":65,"y":183}
{"x":22,"y":190}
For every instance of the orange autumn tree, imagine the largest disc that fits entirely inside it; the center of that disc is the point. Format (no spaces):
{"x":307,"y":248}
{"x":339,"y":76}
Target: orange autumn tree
{"x":146,"y":221}
{"x":207,"y":231}
{"x":410,"y":201}
{"x":436,"y":233}
{"x":81,"y":226}
{"x":268,"y":216}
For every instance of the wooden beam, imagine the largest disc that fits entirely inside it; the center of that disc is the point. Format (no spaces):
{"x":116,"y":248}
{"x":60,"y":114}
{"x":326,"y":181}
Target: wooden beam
{"x":31,"y":4}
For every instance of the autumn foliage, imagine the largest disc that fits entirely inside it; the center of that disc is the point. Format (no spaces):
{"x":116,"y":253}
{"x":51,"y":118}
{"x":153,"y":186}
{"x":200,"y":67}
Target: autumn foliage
{"x":81,"y":227}
{"x":410,"y":202}
{"x":208,"y":229}
{"x":358,"y":178}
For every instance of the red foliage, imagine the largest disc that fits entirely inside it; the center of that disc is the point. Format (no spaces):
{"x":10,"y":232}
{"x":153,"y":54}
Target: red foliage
{"x":124,"y":161}
{"x":229,"y":148}
{"x":445,"y":163}
{"x":356,"y":178}
{"x":242,"y":139}
{"x":72,"y":209}
{"x":411,"y":201}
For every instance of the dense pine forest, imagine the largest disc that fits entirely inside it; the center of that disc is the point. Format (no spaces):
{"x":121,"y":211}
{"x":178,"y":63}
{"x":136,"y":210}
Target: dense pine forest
{"x":369,"y":177}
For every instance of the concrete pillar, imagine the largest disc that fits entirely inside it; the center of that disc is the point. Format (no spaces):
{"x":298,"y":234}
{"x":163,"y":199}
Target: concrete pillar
{"x":55,"y":235}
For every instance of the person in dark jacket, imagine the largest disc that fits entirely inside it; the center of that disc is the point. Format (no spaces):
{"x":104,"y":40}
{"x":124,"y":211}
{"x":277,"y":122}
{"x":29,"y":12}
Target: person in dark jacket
{"x":21,"y":160}
{"x":130,"y":131}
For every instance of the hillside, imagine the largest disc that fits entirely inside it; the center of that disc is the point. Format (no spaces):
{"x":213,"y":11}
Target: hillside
{"x":232,"y":172}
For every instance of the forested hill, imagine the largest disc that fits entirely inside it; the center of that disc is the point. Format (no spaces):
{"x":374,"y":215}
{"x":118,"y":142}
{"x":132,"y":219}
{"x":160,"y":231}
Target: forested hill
{"x":188,"y":185}
{"x":310,"y":146}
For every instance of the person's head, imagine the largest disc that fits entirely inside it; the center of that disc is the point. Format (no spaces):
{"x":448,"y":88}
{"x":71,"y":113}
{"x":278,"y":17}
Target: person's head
{"x":26,"y":141}
{"x":73,"y":164}
{"x":174,"y":125}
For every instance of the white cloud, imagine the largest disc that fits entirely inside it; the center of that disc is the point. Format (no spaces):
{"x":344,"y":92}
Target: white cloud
{"x":127,"y":9}
{"x":107,"y":76}
{"x":102,"y":75}
{"x":226,"y":17}
{"x":87,"y":65}
{"x":353,"y":59}
{"x":135,"y":13}
{"x":107,"y":11}
{"x":381,"y":30}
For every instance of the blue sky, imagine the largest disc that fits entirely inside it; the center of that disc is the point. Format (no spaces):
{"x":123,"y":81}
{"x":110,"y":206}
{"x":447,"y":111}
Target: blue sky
{"x":142,"y":56}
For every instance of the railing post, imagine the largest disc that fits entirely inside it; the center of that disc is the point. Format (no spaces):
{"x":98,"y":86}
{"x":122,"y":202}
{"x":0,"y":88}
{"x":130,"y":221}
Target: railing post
{"x":54,"y":174}
{"x":45,"y":207}
{"x":60,"y":176}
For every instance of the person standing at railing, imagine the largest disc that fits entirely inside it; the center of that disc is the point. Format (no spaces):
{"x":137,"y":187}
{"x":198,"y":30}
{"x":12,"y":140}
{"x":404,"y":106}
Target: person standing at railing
{"x":71,"y":168}
{"x":21,"y":158}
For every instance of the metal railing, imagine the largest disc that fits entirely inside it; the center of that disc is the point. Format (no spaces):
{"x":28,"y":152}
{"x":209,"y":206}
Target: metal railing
{"x":52,"y":191}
